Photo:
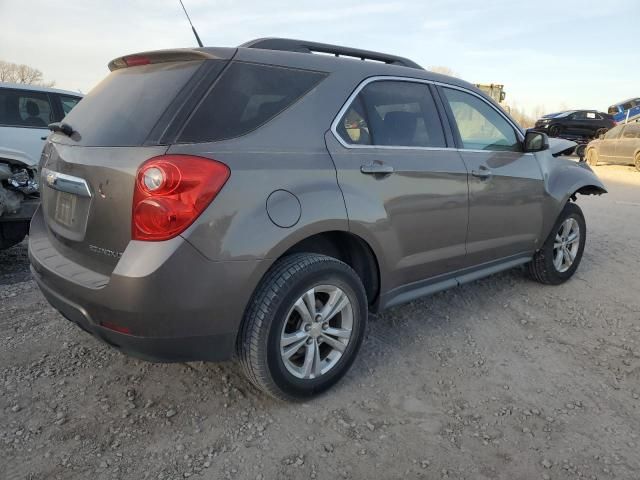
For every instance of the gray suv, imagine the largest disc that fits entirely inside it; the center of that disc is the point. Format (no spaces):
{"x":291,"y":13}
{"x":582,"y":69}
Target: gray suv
{"x":258,"y":202}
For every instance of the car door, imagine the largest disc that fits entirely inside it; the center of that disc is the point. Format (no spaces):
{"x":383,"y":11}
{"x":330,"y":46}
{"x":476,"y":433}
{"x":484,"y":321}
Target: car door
{"x":627,"y":145}
{"x":506,"y":187}
{"x":607,"y":147}
{"x":576,"y":123}
{"x":24,"y":116}
{"x":404,"y":187}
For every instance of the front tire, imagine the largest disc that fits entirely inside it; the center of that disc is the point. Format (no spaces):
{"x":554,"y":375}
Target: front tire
{"x":303,"y":327}
{"x":559,"y":257}
{"x":554,"y":130}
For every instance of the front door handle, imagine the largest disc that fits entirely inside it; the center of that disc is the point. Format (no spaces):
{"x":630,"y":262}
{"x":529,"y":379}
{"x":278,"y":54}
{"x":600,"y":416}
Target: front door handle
{"x":376,"y":168}
{"x":482,"y":172}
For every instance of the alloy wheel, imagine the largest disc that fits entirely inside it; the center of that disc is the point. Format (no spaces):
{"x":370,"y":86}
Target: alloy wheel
{"x":316,"y":332}
{"x":566,"y":245}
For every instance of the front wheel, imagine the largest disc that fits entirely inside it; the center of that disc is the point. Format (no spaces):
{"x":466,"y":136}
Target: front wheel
{"x":554,"y":130}
{"x":303,"y":327}
{"x":559,"y":257}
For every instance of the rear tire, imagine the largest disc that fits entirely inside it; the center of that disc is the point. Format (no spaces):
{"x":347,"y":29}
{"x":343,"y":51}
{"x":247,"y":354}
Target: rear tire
{"x":12,"y":233}
{"x":303,"y":327}
{"x":559,"y":257}
{"x":592,"y":157}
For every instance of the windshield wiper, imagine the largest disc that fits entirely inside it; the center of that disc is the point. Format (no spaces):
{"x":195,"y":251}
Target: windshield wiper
{"x":61,"y":128}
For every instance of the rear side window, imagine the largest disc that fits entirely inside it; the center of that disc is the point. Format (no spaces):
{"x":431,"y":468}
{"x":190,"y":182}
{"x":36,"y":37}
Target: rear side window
{"x":392,"y":113}
{"x":123,"y":108}
{"x":632,"y":131}
{"x":244,"y":98}
{"x":22,"y":108}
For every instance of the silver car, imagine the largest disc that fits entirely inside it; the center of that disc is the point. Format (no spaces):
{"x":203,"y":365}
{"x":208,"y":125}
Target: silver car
{"x":258,"y":202}
{"x":619,"y":145}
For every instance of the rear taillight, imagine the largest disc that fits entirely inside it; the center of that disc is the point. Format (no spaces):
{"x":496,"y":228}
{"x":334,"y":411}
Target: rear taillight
{"x":171,"y":191}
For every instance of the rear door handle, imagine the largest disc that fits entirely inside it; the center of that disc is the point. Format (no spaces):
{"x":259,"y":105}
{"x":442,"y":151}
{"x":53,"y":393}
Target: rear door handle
{"x":482,"y":172}
{"x":376,"y":168}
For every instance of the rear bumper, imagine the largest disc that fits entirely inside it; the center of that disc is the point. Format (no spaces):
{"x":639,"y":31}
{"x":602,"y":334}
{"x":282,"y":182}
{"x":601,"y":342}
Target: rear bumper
{"x":173,"y":304}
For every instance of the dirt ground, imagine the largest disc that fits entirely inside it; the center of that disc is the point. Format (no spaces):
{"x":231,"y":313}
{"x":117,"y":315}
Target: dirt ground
{"x":499,"y":379}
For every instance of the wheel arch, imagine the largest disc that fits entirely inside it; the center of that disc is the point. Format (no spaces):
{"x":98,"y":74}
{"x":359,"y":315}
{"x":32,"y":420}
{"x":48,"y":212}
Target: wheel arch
{"x":348,"y":248}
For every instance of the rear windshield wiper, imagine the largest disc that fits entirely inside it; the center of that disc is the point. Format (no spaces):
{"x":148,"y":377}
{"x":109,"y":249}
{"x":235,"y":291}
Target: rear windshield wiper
{"x":61,"y":128}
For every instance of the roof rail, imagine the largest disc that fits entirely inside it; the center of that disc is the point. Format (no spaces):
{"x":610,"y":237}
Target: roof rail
{"x":303,"y":46}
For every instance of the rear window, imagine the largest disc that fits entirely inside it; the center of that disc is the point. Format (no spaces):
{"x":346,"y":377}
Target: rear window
{"x":123,"y":108}
{"x":245,"y":97}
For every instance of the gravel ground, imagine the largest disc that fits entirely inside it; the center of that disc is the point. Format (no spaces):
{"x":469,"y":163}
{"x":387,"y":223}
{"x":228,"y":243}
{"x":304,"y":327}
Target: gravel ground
{"x":500,"y":379}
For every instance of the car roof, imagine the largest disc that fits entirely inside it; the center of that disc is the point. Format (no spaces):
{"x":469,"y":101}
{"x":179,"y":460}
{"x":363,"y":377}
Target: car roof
{"x":625,"y":101}
{"x":36,"y":88}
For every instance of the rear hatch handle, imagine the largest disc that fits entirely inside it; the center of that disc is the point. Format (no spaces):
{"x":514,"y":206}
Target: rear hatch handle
{"x":66,"y":183}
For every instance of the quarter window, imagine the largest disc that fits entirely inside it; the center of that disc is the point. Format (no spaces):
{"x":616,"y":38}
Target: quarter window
{"x":480,"y":126}
{"x":68,"y":103}
{"x":393,"y":113}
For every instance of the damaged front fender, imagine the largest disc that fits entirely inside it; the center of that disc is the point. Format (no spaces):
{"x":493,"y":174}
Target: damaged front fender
{"x":18,"y":185}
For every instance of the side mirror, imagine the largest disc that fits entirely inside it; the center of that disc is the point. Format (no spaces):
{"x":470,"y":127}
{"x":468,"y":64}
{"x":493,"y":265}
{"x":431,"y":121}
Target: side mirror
{"x":535,"y":141}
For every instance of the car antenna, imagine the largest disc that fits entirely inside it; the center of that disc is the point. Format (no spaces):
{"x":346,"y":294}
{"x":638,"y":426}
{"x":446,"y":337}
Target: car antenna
{"x":192,"y":27}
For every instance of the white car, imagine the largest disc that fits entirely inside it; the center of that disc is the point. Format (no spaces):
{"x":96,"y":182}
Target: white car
{"x":25,"y":113}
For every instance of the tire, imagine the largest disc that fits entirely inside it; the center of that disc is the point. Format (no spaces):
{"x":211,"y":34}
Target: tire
{"x":601,"y":131}
{"x":637,"y":161}
{"x":554,"y":130}
{"x":579,"y":150}
{"x":275,"y":312}
{"x":544,"y":266}
{"x":592,"y":157}
{"x":12,"y":233}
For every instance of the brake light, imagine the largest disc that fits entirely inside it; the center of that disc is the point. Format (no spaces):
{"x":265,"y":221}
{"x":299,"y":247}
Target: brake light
{"x":116,"y":328}
{"x":171,"y":191}
{"x":136,"y":60}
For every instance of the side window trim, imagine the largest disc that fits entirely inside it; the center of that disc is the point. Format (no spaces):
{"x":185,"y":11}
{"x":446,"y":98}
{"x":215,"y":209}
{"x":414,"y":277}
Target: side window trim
{"x":382,"y":78}
{"x":456,"y":133}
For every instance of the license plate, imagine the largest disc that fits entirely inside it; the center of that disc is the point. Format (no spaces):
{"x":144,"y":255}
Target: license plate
{"x":65,"y":208}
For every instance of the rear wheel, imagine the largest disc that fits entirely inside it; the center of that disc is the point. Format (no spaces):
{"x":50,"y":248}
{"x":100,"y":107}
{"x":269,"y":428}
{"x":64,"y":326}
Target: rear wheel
{"x":559,"y":257}
{"x":12,"y":233}
{"x":592,"y":157}
{"x":303,"y":327}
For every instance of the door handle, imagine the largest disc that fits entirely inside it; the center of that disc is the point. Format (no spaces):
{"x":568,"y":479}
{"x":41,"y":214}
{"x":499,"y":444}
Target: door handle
{"x":483,"y":172}
{"x":376,"y":168}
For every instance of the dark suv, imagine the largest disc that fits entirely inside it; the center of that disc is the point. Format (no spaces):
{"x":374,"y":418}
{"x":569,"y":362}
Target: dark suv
{"x":578,"y":123}
{"x":259,"y":201}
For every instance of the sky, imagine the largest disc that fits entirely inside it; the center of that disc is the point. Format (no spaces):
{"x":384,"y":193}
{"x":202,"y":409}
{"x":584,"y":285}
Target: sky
{"x":550,"y":55}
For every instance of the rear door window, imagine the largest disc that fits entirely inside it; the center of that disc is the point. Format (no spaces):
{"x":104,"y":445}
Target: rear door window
{"x":123,"y":108}
{"x":480,"y":126}
{"x":246,"y":97}
{"x":22,"y":108}
{"x":393,"y":113}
